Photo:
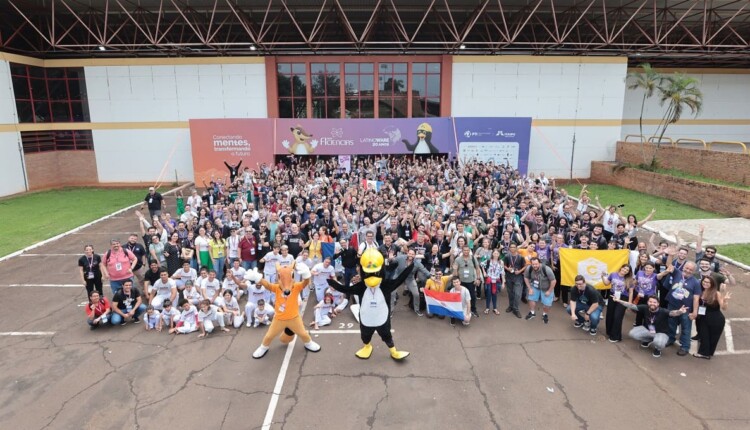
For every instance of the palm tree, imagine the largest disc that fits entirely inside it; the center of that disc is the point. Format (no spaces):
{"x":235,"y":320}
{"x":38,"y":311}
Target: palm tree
{"x":680,"y":92}
{"x":648,"y":81}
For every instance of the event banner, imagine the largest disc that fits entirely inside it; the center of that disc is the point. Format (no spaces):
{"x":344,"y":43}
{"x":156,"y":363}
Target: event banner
{"x":218,"y":141}
{"x":365,"y":136}
{"x":591,"y":264}
{"x":499,"y":140}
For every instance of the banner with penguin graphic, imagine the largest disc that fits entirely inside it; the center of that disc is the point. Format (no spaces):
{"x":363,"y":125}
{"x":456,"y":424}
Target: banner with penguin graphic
{"x":365,"y":136}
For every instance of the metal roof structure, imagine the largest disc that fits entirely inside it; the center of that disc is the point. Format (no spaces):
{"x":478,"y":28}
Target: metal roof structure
{"x":673,"y":33}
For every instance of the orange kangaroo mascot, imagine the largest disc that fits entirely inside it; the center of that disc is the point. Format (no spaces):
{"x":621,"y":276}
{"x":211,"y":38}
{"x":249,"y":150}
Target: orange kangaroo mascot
{"x":287,"y":321}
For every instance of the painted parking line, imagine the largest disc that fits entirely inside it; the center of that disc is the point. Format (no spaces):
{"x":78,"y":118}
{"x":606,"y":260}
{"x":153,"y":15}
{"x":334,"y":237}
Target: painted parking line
{"x":356,"y":331}
{"x":729,"y":338}
{"x":27,"y":333}
{"x":41,"y":285}
{"x":50,"y":255}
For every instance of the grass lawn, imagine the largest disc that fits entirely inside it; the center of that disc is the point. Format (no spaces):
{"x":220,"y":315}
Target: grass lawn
{"x":685,"y":175}
{"x":640,"y":203}
{"x":33,"y":217}
{"x":737,"y":252}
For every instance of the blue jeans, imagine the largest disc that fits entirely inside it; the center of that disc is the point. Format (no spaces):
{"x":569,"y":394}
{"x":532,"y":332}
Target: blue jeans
{"x":249,"y":265}
{"x":489,"y":297}
{"x":219,"y":267}
{"x":116,"y":318}
{"x":685,"y":328}
{"x":117,"y":285}
{"x":349,"y":274}
{"x":593,"y":318}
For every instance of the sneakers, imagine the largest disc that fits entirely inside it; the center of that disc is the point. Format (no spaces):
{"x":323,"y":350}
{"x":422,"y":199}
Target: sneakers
{"x":645,"y":344}
{"x":592,"y":332}
{"x":586,"y":325}
{"x":474,"y":314}
{"x":517,"y":314}
{"x":656,"y":353}
{"x":419,"y":314}
{"x":545,"y":318}
{"x":577,"y":324}
{"x":508,"y":310}
{"x":249,"y":324}
{"x":136,"y":320}
{"x":682,"y":353}
{"x":613,"y":340}
{"x":464,"y":323}
{"x":530,"y":316}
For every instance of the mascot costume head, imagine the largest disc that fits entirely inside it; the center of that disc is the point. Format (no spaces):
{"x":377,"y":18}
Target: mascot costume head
{"x":287,"y":320}
{"x":374,"y":294}
{"x":424,"y":141}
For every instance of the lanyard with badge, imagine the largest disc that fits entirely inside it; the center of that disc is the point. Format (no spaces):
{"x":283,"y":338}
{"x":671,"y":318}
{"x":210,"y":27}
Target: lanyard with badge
{"x":90,"y":273}
{"x":373,"y":300}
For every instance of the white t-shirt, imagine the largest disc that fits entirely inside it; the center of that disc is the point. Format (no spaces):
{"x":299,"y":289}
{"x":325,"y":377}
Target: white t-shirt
{"x":201,"y":244}
{"x":195,"y":202}
{"x":610,"y":221}
{"x":232,"y":305}
{"x":233,"y":246}
{"x":254,"y":294}
{"x":190,"y":275}
{"x":260,"y":314}
{"x":210,"y":314}
{"x":271,"y":260}
{"x":192,"y":293}
{"x":286,"y":261}
{"x":323,"y":274}
{"x":189,"y":315}
{"x":211,"y":287}
{"x":162,"y":289}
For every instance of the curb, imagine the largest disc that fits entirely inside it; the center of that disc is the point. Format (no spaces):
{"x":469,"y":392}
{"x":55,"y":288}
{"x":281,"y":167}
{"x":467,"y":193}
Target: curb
{"x":81,"y":227}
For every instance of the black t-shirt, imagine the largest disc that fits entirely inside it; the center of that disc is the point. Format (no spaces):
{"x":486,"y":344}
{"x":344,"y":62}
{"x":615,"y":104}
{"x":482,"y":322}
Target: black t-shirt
{"x":154,"y":201}
{"x":91,"y":265}
{"x":659,"y":319}
{"x":138,"y":250}
{"x":123,"y":301}
{"x":587,"y":297}
{"x":515,"y":262}
{"x":295,"y":242}
{"x":151,"y":277}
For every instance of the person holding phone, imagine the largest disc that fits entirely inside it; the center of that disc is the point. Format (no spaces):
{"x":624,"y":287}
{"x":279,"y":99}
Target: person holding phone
{"x":621,"y":285}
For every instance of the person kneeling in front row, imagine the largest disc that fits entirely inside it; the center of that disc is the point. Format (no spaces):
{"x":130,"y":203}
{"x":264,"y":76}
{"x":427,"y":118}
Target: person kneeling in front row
{"x":655,"y":328}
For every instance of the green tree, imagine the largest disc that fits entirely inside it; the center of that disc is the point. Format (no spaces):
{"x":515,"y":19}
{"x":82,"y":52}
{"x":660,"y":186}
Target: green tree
{"x":647,"y":81}
{"x":679,"y":92}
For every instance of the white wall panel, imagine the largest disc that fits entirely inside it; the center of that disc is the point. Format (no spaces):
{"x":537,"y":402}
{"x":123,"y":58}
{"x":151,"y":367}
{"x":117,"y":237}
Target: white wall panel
{"x":551,"y":148}
{"x":120,"y":155}
{"x":176,"y":93}
{"x":7,"y":105}
{"x":11,"y":165}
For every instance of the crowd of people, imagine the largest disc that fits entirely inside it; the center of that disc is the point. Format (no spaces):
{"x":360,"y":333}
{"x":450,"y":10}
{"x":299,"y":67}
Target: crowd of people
{"x":479,"y":229}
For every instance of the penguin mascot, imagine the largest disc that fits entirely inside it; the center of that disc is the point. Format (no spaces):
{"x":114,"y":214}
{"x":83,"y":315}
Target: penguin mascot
{"x":287,"y":318}
{"x":374,"y":294}
{"x":424,"y":141}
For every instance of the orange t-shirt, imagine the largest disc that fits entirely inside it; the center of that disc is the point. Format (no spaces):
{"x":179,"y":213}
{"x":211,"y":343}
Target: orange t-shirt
{"x":290,"y":303}
{"x":527,"y":254}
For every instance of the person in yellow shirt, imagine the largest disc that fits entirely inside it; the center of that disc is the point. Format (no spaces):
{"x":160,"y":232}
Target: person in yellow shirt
{"x":439,"y":284}
{"x":217,"y":248}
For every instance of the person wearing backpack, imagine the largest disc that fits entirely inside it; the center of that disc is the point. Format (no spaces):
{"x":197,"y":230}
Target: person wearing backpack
{"x":118,"y":266}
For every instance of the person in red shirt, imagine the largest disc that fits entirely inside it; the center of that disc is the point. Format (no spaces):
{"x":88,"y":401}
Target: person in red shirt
{"x":98,"y":310}
{"x":249,"y":250}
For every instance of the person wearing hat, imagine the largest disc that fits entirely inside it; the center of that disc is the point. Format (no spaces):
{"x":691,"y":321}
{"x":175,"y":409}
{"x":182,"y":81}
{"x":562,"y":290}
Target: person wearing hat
{"x":374,"y":310}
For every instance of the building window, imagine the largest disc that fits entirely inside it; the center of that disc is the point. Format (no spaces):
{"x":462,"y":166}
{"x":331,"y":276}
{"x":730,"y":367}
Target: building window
{"x":55,"y":94}
{"x":360,"y":90}
{"x":425,"y":89}
{"x":292,"y":86}
{"x":56,"y":140}
{"x":392,"y":95}
{"x":326,"y":90}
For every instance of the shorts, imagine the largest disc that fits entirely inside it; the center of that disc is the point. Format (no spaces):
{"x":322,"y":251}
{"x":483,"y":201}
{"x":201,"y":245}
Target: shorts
{"x":539,"y":295}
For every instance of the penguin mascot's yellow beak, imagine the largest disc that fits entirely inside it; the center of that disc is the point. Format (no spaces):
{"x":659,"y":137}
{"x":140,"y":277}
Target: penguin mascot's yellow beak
{"x":372,"y":266}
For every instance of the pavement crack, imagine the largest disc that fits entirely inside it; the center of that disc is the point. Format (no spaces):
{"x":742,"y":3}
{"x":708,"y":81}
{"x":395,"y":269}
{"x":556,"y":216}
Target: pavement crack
{"x":233,"y":390}
{"x":560,"y":388}
{"x":224,"y":419}
{"x":477,"y":383}
{"x":371,"y":418}
{"x":293,"y":394}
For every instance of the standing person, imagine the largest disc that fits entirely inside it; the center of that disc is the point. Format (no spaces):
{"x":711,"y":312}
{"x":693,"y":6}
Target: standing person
{"x":685,"y":293}
{"x":91,"y":272}
{"x":621,"y":285}
{"x":140,"y":252}
{"x":494,"y":282}
{"x":172,"y":251}
{"x":202,"y":247}
{"x":154,"y":201}
{"x":466,"y":267}
{"x":561,"y":291}
{"x":97,"y":311}
{"x":217,"y":247}
{"x":127,"y":303}
{"x":321,"y":273}
{"x":514,"y":267}
{"x":710,"y":318}
{"x":585,"y":306}
{"x":249,"y":248}
{"x":540,"y":281}
{"x":653,"y":330}
{"x":118,"y":265}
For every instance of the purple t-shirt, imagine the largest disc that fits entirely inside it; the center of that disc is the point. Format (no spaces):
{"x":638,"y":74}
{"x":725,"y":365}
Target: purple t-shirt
{"x":617,"y":283}
{"x":646,"y":285}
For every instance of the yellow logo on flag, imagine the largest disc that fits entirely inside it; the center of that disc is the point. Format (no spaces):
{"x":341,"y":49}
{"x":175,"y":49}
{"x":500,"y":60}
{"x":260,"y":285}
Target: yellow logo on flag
{"x":590,"y":264}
